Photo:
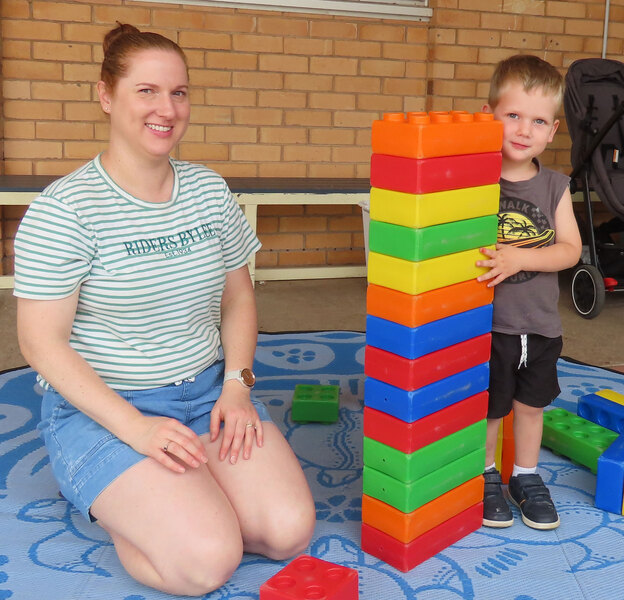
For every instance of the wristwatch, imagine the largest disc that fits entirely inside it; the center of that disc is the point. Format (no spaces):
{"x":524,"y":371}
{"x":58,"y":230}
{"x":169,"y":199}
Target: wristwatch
{"x":246,"y":377}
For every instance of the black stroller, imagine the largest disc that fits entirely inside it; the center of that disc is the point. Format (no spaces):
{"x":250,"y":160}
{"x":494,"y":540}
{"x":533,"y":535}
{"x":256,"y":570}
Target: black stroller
{"x":594,"y":108}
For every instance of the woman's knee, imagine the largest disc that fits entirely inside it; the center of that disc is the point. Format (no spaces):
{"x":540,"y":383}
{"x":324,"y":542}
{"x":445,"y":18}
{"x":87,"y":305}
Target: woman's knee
{"x":288,"y":532}
{"x":202,"y":566}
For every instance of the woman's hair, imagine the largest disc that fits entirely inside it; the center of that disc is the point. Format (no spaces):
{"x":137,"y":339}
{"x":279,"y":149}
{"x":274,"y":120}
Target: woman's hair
{"x":121,"y":42}
{"x":532,"y":72}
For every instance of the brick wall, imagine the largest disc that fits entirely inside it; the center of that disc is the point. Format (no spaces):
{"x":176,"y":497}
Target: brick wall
{"x":277,"y":94}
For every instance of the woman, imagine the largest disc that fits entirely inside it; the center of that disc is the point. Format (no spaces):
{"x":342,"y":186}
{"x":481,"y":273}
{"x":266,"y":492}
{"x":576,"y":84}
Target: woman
{"x":131,"y":277}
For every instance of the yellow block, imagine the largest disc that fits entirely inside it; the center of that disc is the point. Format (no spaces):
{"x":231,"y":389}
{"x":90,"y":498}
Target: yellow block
{"x":498,"y":457}
{"x":418,"y":277}
{"x":424,"y":210}
{"x":611,"y":395}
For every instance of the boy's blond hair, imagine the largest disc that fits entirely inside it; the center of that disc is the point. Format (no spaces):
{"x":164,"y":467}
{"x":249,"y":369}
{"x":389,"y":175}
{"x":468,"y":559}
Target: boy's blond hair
{"x":532,"y":72}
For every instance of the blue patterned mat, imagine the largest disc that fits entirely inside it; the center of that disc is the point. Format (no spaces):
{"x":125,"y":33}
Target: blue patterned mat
{"x":48,"y":551}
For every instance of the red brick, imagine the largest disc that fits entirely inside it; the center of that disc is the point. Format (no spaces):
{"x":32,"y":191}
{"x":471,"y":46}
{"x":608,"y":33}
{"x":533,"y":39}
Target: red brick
{"x":232,"y":61}
{"x":255,"y":152}
{"x":283,"y":63}
{"x":258,"y":81}
{"x":302,"y":258}
{"x":309,"y":47}
{"x":357,"y":84}
{"x":346,"y":257}
{"x":282,"y":99}
{"x":333,"y":65}
{"x":382,"y":33}
{"x":332,"y":101}
{"x":283,"y":241}
{"x":303,"y":224}
{"x":333,"y":29}
{"x":327,"y":240}
{"x":307,"y":154}
{"x":291,"y":26}
{"x":283,"y":135}
{"x":295,"y":81}
{"x":257,"y":43}
{"x":257,"y":116}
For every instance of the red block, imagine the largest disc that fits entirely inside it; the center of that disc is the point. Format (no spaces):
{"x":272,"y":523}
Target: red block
{"x":426,"y":175}
{"x":309,"y":577}
{"x":411,"y":374}
{"x":406,"y":556}
{"x":409,"y":437}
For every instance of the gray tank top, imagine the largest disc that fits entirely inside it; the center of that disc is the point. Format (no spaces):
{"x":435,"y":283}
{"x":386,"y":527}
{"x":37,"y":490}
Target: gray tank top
{"x":527,"y":301}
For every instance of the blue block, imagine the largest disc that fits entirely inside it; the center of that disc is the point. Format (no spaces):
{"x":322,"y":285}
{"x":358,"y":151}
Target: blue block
{"x":413,"y":342}
{"x":601,"y":411}
{"x":610,"y":478}
{"x":409,"y":406}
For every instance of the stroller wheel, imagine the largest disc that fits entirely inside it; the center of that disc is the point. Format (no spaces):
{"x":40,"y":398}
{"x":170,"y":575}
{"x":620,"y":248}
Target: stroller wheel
{"x":588,"y":291}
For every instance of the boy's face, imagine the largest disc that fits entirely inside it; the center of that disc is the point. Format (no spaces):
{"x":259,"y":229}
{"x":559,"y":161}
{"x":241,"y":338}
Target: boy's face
{"x":528,"y":118}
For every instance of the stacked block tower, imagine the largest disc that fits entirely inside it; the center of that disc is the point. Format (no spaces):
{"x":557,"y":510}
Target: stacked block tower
{"x":434,"y":203}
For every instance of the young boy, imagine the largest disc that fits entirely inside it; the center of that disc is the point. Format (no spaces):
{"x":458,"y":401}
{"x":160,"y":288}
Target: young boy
{"x":537,"y":237}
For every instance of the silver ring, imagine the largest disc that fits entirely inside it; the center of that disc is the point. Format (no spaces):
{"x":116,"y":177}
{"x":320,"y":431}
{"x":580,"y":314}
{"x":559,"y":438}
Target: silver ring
{"x":249,"y":425}
{"x":166,"y":446}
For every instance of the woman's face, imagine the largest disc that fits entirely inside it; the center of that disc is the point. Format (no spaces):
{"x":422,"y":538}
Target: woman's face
{"x":149,"y":107}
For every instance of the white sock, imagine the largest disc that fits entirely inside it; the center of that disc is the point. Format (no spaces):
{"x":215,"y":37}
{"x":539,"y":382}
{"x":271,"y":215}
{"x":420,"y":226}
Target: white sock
{"x":523,"y":470}
{"x":492,"y":466}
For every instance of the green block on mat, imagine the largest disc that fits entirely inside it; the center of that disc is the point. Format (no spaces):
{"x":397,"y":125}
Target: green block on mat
{"x":317,"y":403}
{"x":408,"y":467}
{"x":576,"y":438}
{"x":407,"y":497}
{"x":428,"y":242}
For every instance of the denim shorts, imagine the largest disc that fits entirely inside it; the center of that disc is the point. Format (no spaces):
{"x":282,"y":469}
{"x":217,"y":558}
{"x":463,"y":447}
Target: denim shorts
{"x":86,"y":457}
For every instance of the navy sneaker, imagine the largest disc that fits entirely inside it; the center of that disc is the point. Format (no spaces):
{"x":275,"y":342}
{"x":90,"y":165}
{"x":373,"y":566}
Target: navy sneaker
{"x":532,"y":497}
{"x":496,"y":511}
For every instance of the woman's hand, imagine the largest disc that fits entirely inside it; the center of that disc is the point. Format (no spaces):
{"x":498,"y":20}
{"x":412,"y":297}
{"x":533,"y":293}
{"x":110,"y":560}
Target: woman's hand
{"x":241,"y":422}
{"x":503,"y":262}
{"x":166,"y":439}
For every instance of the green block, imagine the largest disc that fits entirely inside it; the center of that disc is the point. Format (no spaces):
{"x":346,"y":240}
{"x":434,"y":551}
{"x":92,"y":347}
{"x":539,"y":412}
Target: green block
{"x":576,"y":438}
{"x":407,"y":497}
{"x":408,"y":467}
{"x":428,"y":242}
{"x":318,"y":403}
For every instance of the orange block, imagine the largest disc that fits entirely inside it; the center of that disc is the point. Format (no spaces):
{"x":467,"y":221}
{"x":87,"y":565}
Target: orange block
{"x":428,"y":135}
{"x":508,"y":449}
{"x":405,"y":527}
{"x":415,"y":310}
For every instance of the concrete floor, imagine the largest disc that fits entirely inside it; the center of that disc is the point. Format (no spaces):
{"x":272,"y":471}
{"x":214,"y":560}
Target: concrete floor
{"x":340,"y":304}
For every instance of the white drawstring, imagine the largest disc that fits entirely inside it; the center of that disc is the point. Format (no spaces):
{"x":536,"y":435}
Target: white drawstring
{"x":189,"y":379}
{"x":525,"y":351}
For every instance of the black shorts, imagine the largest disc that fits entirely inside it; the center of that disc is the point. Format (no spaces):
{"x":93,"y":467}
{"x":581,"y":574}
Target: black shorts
{"x":533,"y":382}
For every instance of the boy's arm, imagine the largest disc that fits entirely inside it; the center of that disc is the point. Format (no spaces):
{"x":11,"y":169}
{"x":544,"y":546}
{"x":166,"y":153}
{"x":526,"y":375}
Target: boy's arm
{"x":507,"y":260}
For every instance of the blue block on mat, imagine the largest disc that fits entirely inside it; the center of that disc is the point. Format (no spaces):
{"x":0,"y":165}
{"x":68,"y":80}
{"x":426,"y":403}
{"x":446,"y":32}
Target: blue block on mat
{"x":610,"y":479}
{"x":411,"y":406}
{"x":413,"y":342}
{"x":602,"y":411}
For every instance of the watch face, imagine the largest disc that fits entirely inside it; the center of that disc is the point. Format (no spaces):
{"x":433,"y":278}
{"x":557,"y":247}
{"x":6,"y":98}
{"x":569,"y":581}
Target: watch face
{"x":248,"y":377}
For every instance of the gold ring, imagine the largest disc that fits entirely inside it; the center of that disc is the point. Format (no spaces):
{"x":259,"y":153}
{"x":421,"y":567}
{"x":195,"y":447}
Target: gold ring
{"x":166,"y":446}
{"x":249,"y":425}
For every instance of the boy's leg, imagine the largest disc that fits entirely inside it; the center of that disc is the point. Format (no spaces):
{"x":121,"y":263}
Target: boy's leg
{"x":537,"y":388}
{"x":496,"y":511}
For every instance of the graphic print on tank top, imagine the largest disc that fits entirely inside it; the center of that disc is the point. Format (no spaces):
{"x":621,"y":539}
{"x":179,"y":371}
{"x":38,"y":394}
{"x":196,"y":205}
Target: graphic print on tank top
{"x":524,"y":225}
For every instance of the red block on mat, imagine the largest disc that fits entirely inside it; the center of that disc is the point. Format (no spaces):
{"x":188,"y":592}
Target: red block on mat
{"x":406,"y":556}
{"x":409,"y":437}
{"x":411,"y":374}
{"x":309,"y":577}
{"x":426,"y":175}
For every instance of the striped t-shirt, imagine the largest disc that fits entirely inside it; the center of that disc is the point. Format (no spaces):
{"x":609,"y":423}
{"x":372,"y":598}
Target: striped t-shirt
{"x":151,"y":275}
